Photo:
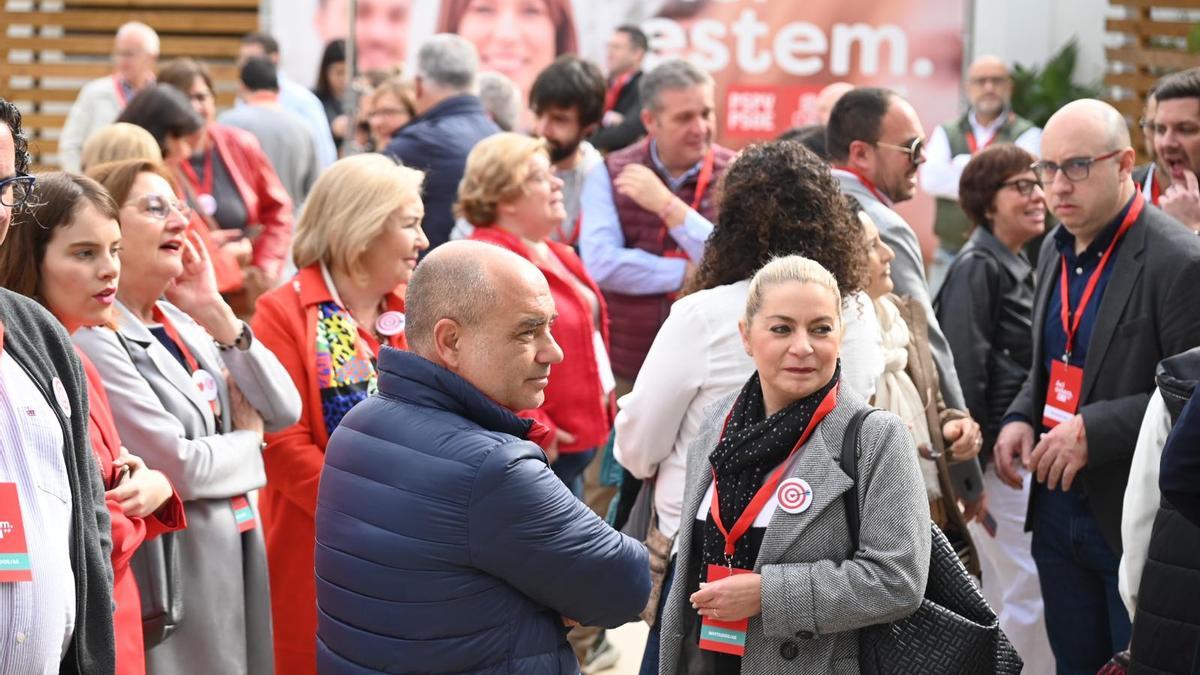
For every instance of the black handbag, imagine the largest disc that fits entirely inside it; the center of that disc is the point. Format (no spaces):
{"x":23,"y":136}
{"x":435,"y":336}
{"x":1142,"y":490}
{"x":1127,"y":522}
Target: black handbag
{"x":954,"y":631}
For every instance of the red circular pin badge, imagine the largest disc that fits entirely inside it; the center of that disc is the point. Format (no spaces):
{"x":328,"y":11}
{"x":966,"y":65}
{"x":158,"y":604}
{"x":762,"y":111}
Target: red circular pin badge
{"x":390,"y":323}
{"x":794,"y":495}
{"x":206,"y":383}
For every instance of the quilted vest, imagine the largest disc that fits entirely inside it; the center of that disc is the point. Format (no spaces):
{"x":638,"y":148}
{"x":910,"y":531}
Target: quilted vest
{"x":634,"y":320}
{"x":951,"y":223}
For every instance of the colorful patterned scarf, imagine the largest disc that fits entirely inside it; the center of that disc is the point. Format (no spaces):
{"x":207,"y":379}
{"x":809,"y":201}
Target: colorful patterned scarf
{"x":345,"y":366}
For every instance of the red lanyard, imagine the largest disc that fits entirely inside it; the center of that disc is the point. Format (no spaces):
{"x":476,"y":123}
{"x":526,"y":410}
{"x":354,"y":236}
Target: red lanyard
{"x":1071,"y":327}
{"x":120,"y":90}
{"x":867,"y":183}
{"x":172,"y":333}
{"x":614,"y":92}
{"x":764,"y":493}
{"x":562,"y":236}
{"x":973,"y":145}
{"x":1154,"y":191}
{"x":205,"y":187}
{"x":702,"y":181}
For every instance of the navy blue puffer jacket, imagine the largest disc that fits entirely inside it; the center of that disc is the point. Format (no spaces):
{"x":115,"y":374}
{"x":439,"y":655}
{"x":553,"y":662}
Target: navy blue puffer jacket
{"x":445,"y":544}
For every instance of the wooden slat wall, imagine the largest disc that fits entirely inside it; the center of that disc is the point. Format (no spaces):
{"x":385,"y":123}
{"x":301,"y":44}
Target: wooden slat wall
{"x":1155,"y":36}
{"x":48,"y":50}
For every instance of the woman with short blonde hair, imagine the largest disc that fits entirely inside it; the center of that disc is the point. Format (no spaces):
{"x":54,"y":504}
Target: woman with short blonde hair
{"x":356,"y":246}
{"x":510,"y":194}
{"x":117,"y":142}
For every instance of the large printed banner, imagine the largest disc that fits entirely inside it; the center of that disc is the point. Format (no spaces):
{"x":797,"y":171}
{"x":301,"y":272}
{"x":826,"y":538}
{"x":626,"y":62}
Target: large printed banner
{"x":769,"y":57}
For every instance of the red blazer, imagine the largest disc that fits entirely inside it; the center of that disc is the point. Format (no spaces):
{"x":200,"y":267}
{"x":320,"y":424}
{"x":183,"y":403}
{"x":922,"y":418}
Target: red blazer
{"x":267,"y":202}
{"x":574,"y":397}
{"x":128,"y":532}
{"x":285,"y":322}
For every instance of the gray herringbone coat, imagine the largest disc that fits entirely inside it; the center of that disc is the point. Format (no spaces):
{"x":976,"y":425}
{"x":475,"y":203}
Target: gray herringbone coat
{"x":813,"y":597}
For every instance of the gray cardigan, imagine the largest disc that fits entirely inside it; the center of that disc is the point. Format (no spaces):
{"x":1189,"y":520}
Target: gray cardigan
{"x":816,"y":592}
{"x":38,"y":342}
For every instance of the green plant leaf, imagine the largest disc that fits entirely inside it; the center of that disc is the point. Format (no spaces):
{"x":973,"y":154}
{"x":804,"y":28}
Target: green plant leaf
{"x":1194,"y":39}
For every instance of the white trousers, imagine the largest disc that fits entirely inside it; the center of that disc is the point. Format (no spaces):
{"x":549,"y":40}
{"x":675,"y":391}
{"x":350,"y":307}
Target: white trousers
{"x":1010,"y":578}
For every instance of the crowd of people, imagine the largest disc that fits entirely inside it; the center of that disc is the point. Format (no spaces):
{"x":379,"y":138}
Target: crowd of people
{"x":461,"y":383}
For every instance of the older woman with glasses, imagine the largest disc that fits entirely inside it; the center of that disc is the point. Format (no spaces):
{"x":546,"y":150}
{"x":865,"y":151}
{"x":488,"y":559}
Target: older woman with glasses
{"x":986,"y":309}
{"x":194,"y":391}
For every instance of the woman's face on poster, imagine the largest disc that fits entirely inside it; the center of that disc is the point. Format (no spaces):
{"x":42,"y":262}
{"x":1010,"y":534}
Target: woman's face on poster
{"x":514,"y":37}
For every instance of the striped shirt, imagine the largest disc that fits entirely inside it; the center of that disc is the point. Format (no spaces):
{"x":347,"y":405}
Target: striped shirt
{"x":37,"y":619}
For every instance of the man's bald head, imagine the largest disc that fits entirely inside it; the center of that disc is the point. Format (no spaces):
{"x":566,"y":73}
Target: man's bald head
{"x":484,"y":313}
{"x":1088,"y":116}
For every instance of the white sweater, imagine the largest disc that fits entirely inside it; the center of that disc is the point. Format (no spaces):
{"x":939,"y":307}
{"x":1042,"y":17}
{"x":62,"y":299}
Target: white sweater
{"x":96,"y":106}
{"x":696,"y":360}
{"x":1142,"y":498}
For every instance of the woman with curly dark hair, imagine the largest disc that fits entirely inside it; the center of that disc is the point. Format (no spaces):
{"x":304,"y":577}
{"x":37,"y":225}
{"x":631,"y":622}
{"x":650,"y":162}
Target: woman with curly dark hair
{"x":777,"y":199}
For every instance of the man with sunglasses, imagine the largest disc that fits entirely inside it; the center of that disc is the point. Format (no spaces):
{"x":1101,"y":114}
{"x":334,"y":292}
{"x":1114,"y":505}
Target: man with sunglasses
{"x":135,"y":55}
{"x":55,"y":537}
{"x":1115,"y":285}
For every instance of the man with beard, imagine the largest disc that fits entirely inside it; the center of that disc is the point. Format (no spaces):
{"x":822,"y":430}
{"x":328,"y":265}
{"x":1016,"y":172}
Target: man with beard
{"x":568,"y":100}
{"x":989,"y":120}
{"x":1177,"y":144}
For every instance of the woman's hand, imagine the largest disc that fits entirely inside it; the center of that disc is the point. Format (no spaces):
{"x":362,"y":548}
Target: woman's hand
{"x":561,"y":437}
{"x":244,"y":415}
{"x":730,"y":599}
{"x":143,"y":491}
{"x":195,"y":292}
{"x":964,"y":437}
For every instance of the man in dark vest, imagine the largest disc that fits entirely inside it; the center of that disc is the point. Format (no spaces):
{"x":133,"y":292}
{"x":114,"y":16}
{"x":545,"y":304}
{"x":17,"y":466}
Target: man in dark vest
{"x":1115,"y":284}
{"x":989,"y":120}
{"x":1177,"y":144}
{"x":648,"y":209}
{"x":622,"y":124}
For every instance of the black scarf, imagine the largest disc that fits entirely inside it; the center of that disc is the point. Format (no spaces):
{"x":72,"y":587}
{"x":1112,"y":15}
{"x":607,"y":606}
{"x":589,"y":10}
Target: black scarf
{"x":752,"y":446}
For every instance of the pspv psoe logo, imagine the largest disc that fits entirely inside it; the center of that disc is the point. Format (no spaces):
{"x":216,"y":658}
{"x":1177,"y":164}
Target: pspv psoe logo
{"x":1062,"y":393}
{"x":5,"y":528}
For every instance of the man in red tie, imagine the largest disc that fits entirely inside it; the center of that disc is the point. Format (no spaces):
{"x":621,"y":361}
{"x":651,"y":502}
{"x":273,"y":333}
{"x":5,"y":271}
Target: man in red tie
{"x":622,"y":123}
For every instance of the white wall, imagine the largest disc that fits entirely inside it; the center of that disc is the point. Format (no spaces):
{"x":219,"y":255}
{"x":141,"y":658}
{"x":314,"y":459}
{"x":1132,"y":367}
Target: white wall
{"x":1030,"y":31}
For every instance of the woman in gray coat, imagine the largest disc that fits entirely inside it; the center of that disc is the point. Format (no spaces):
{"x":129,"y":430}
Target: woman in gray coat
{"x":193,"y":390}
{"x":765,"y":578}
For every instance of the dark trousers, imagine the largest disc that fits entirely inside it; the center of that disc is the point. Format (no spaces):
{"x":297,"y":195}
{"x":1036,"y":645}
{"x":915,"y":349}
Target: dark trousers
{"x":650,"y":656}
{"x":1085,"y":619}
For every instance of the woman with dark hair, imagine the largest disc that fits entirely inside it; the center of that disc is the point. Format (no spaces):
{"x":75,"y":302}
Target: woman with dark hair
{"x":166,"y":114}
{"x":194,"y":391}
{"x":789,"y":204}
{"x":985,"y":308}
{"x":230,"y":183}
{"x":517,"y":38}
{"x":63,"y":252}
{"x":332,"y":81}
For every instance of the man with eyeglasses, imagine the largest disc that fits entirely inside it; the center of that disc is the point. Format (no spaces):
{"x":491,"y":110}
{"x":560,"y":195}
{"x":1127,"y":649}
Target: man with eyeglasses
{"x":55,"y":537}
{"x":988,"y":120}
{"x":135,"y":55}
{"x":1177,"y":144}
{"x":1116,"y":282}
{"x":1150,"y":178}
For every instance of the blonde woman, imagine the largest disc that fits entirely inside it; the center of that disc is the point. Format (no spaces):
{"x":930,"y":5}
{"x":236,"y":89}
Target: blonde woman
{"x":783,"y":559}
{"x":119,"y":141}
{"x":356,"y":246}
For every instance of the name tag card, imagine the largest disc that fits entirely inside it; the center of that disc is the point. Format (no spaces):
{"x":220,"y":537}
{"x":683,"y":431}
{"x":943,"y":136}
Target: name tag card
{"x":727,"y":637}
{"x":1062,"y":394}
{"x":14,"y":553}
{"x":243,"y":514}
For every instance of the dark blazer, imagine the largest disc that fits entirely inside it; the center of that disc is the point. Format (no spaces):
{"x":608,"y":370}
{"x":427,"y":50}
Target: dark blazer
{"x":37,"y":341}
{"x":1148,"y":312}
{"x":445,"y":544}
{"x":438,"y":142}
{"x":625,"y":134}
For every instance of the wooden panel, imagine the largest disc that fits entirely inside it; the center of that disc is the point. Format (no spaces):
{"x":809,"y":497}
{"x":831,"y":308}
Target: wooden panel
{"x":1131,"y":108}
{"x":1139,"y":82}
{"x":1166,"y":4}
{"x":42,"y":95}
{"x":198,"y":47}
{"x":186,"y":4}
{"x":236,"y":23}
{"x":1149,"y":28}
{"x":46,"y":146}
{"x":43,"y":121}
{"x":1156,"y":58}
{"x":89,"y":70}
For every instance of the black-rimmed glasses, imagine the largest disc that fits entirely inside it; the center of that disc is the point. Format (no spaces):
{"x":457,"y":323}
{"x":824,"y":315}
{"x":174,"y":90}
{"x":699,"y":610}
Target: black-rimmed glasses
{"x":17,"y":190}
{"x":1075,"y":169}
{"x":914,"y":150}
{"x":1023,"y":185}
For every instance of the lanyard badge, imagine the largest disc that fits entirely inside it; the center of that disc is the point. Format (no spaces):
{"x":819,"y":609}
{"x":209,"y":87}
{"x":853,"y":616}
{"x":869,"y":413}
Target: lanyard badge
{"x":14,"y":552}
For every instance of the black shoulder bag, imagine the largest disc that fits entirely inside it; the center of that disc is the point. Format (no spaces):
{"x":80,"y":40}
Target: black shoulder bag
{"x":954,"y":631}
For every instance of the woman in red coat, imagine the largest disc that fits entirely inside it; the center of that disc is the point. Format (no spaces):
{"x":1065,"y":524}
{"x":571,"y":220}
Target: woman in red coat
{"x":232,"y":185}
{"x":62,"y":251}
{"x":357,"y":244}
{"x":512,"y":197}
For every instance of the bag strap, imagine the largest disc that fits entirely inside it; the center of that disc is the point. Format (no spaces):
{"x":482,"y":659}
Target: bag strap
{"x":850,"y":468}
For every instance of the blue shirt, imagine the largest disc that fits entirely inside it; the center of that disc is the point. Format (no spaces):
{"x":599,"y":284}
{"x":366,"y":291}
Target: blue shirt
{"x":308,"y":107}
{"x":1079,"y":271}
{"x":630,"y":270}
